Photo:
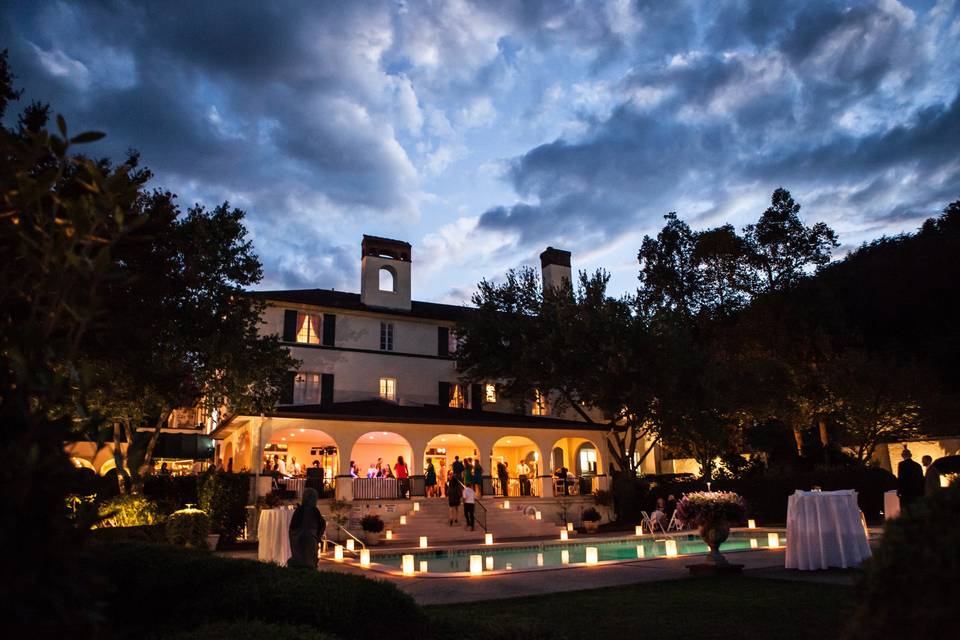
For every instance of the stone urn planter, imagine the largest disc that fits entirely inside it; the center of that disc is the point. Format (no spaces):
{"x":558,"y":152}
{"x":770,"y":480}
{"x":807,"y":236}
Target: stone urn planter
{"x":373,"y":538}
{"x":714,"y":534}
{"x":591,"y":519}
{"x":372,"y":526}
{"x":591,"y":526}
{"x":213,"y":539}
{"x":712,"y":512}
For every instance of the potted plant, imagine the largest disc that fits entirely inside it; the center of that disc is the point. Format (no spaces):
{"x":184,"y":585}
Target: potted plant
{"x":591,"y":519}
{"x":713,"y":512}
{"x":191,"y":528}
{"x":372,"y":527}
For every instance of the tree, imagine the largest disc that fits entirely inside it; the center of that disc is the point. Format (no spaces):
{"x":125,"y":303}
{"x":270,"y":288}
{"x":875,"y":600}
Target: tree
{"x":669,"y":278}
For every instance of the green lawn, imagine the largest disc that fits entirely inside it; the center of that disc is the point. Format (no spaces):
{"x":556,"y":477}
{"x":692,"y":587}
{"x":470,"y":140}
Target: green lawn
{"x":728,"y":608}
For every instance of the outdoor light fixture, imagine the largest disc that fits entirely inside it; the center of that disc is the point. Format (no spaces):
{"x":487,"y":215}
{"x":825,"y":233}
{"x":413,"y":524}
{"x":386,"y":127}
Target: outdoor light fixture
{"x":564,"y":535}
{"x":638,"y":530}
{"x":488,"y":561}
{"x":569,"y":526}
{"x":389,"y":534}
{"x":349,"y":544}
{"x":423,"y":542}
{"x":338,"y":552}
{"x":416,"y":506}
{"x":539,"y":559}
{"x":364,"y":557}
{"x":539,"y":515}
{"x":564,"y":557}
{"x":751,"y":524}
{"x":403,"y":519}
{"x":671,"y":548}
{"x":408,"y":564}
{"x":641,"y":553}
{"x":423,"y":566}
{"x":754,"y":543}
{"x":476,"y":565}
{"x":592,"y":555}
{"x":773,"y":540}
{"x":488,"y":538}
{"x":506,"y":504}
{"x":509,"y":567}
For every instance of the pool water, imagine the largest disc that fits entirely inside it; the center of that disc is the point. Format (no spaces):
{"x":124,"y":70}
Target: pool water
{"x":533,"y":556}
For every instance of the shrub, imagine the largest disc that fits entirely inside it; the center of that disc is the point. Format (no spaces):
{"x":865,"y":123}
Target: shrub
{"x":128,"y":511}
{"x":153,"y":533}
{"x":911,"y":586}
{"x":590,"y":515}
{"x":371,"y":523}
{"x":248,"y":631}
{"x":188,"y":528}
{"x":241,"y":591}
{"x":224,"y":497}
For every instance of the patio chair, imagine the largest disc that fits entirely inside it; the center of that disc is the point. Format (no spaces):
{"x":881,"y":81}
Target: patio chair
{"x":674,"y":524}
{"x":649,"y":523}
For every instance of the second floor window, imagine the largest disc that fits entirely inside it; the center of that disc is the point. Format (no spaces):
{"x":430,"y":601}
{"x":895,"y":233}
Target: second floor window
{"x":540,"y":407}
{"x":309,"y":328}
{"x":490,"y":393}
{"x":457,"y":399}
{"x":388,"y":389}
{"x":386,"y":336}
{"x":306,"y":388}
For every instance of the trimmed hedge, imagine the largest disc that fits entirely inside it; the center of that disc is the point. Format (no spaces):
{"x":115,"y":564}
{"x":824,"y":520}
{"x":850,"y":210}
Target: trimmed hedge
{"x":188,"y":528}
{"x":161,"y":589}
{"x":224,"y":497}
{"x":911,"y":586}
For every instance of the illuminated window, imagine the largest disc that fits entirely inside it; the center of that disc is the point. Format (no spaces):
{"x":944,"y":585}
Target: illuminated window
{"x":456,"y":397}
{"x":308,"y":328}
{"x":388,"y":389}
{"x":386,"y":336}
{"x":586,"y":459}
{"x":452,"y":342}
{"x":540,"y":407}
{"x":306,"y":388}
{"x":490,"y":393}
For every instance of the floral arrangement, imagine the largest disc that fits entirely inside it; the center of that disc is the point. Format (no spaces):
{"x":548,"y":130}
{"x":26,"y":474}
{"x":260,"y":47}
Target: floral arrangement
{"x":371,"y":523}
{"x":706,"y":507}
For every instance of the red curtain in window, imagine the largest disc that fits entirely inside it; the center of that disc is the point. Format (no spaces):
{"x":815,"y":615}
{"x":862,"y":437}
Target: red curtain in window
{"x":315,"y":329}
{"x":301,"y":318}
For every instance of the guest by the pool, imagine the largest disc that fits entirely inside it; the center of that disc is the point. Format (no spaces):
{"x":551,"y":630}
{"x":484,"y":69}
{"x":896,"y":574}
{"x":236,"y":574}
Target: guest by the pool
{"x":430,"y":479}
{"x":306,"y":530}
{"x":931,"y":479}
{"x":909,"y":479}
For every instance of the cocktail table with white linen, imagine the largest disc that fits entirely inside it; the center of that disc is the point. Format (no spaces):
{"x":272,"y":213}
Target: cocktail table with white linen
{"x":824,"y":529}
{"x":273,"y":535}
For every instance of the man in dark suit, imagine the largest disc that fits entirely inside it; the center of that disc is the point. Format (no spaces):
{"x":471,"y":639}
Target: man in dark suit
{"x":909,"y":479}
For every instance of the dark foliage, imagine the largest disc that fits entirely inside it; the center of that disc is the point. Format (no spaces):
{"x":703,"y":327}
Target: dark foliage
{"x":224,"y":497}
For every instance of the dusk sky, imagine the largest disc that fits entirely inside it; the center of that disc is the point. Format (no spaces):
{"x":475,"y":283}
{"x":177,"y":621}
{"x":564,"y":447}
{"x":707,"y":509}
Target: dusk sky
{"x":483,"y":132}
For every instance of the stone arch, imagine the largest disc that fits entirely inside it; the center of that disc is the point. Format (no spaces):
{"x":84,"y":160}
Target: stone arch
{"x":387,"y":279}
{"x":453,"y":445}
{"x":514,"y":451}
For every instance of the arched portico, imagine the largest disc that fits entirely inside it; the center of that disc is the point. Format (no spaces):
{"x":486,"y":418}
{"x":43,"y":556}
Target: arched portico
{"x":521,"y":462}
{"x":444,"y":448}
{"x":580,"y":457}
{"x":299,"y":447}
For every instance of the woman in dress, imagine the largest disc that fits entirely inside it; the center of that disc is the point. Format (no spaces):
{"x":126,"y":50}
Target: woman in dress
{"x":430,"y":479}
{"x":453,"y":497}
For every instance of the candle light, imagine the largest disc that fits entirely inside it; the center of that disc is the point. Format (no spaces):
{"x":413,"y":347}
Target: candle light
{"x":539,"y":559}
{"x":365,"y":557}
{"x":389,"y":534}
{"x":423,"y":542}
{"x":569,"y":526}
{"x":671,"y":548}
{"x":416,"y":506}
{"x":350,"y":544}
{"x":488,"y":561}
{"x":638,"y":530}
{"x":488,"y":538}
{"x":338,"y":552}
{"x":563,"y":534}
{"x":564,"y":557}
{"x":754,"y":543}
{"x":751,"y":524}
{"x":423,"y":566}
{"x":641,"y":553}
{"x":506,"y":504}
{"x":403,"y":519}
{"x":476,"y":565}
{"x":509,"y":567}
{"x":539,"y":515}
{"x":407,"y":564}
{"x":592,"y":555}
{"x":773,"y":540}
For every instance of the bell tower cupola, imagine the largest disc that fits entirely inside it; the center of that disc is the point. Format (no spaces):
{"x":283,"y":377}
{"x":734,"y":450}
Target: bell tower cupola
{"x":385,"y":273}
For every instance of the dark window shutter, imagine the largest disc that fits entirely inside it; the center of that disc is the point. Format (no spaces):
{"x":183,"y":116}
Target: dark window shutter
{"x":329,"y":329}
{"x":443,"y":341}
{"x":286,"y":390}
{"x":476,"y":397}
{"x":289,"y":325}
{"x":443,"y":397}
{"x":326,"y":388}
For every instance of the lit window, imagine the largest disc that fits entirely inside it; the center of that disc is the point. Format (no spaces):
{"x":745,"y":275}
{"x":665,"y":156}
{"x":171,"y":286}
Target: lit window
{"x":306,"y":388}
{"x":386,"y":336}
{"x":388,"y":388}
{"x":588,"y":460}
{"x":308,"y":328}
{"x":490,"y":393}
{"x":456,"y":397}
{"x":452,"y":342}
{"x":539,"y":404}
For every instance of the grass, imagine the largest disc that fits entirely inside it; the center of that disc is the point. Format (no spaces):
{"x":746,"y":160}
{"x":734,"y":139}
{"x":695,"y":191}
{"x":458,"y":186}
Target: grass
{"x":727,"y":608}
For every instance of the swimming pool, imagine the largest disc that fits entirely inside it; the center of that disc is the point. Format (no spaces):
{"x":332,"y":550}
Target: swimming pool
{"x":557,"y":554}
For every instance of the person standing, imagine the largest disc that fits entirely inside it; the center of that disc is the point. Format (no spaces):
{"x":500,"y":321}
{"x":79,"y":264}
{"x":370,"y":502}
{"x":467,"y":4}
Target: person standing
{"x":469,"y":506}
{"x":467,"y":472}
{"x":523,"y":473}
{"x":430,"y":479}
{"x":931,"y":479}
{"x":453,"y":497}
{"x":909,"y":479}
{"x":457,"y":468}
{"x":402,"y":474}
{"x":504,"y":476}
{"x":477,"y":477}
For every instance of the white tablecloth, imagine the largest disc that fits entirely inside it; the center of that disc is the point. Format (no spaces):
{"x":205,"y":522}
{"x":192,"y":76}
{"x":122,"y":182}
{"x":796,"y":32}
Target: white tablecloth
{"x":273,"y":535}
{"x":824,"y":530}
{"x":296,"y":485}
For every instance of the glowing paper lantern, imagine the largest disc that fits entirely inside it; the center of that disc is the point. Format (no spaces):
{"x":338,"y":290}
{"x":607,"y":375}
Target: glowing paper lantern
{"x":403,"y":519}
{"x":506,"y":504}
{"x":638,"y":530}
{"x":423,"y":542}
{"x":754,"y":543}
{"x":365,"y":557}
{"x":592,"y":555}
{"x":488,"y":538}
{"x":476,"y":565}
{"x":539,"y":559}
{"x":671,"y":548}
{"x":407,"y":564}
{"x":350,"y":544}
{"x":389,"y":534}
{"x":564,"y":557}
{"x":773,"y":540}
{"x":509,"y":567}
{"x":539,"y":515}
{"x":563,"y":534}
{"x":338,"y":552}
{"x":423,"y":566}
{"x":416,"y":506}
{"x":488,"y":561}
{"x":569,"y":526}
{"x":640,"y":551}
{"x":751,"y":524}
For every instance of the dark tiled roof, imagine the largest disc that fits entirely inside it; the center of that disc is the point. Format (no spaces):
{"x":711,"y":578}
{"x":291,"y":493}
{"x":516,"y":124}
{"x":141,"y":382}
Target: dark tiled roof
{"x":383,"y":411}
{"x":351,"y":301}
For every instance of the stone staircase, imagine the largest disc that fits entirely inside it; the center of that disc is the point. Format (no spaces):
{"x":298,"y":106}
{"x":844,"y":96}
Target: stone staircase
{"x":432,"y":521}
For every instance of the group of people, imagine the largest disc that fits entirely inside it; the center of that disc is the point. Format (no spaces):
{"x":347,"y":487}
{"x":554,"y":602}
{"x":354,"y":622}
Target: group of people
{"x":661,"y":516}
{"x":914,"y":481}
{"x":468,"y":472}
{"x":381,"y":469}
